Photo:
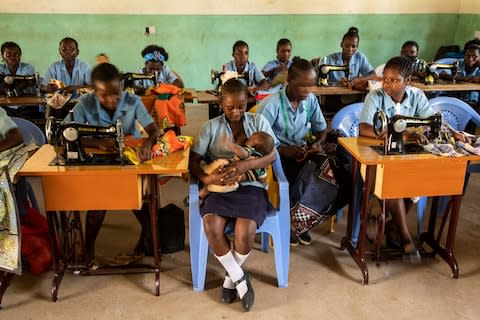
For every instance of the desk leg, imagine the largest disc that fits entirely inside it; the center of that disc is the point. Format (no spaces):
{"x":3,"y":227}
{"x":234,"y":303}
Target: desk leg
{"x":358,"y":253}
{"x":153,"y":186}
{"x":57,"y":253}
{"x":351,"y":207}
{"x":446,"y":253}
{"x":5,"y":279}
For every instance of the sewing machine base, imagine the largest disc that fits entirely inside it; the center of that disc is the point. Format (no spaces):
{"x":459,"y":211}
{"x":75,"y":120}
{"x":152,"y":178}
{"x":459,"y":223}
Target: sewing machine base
{"x":97,"y":160}
{"x":409,"y":149}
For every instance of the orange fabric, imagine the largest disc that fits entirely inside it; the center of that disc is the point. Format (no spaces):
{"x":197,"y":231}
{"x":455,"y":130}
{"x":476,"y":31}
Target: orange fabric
{"x":168,"y":109}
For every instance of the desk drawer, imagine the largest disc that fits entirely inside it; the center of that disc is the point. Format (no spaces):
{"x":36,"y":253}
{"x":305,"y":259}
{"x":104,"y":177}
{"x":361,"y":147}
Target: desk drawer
{"x":401,"y":179}
{"x":88,"y":192}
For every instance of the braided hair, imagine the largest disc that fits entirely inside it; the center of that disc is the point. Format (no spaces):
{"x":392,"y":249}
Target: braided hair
{"x":232,"y":86}
{"x":403,"y":65}
{"x":298,"y":67}
{"x":351,"y":33}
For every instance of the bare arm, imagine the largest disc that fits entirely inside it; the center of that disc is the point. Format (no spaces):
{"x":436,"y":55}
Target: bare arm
{"x":12,"y":138}
{"x":366,"y":130}
{"x":145,"y":152}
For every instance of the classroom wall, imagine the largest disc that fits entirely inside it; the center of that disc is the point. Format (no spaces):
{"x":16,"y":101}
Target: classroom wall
{"x":198,"y":42}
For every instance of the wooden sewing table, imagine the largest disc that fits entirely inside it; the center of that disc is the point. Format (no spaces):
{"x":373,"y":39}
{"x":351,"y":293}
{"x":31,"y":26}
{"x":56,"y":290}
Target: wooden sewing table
{"x":100,"y":187}
{"x":403,"y":176}
{"x":443,"y":85}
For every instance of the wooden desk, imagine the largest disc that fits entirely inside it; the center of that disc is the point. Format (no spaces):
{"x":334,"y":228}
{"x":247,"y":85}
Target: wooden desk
{"x":69,"y":188}
{"x":405,"y":176}
{"x":335,"y":90}
{"x":22,"y":101}
{"x":447,"y":86}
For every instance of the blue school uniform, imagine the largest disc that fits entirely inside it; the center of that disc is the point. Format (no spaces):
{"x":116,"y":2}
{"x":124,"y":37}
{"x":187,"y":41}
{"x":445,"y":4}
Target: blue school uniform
{"x":210,"y":142}
{"x":415,"y":104}
{"x":80,"y":74}
{"x":165,"y":76}
{"x":254,"y":73}
{"x":129,"y":108}
{"x":470,"y":97}
{"x":272,"y":65}
{"x":291,"y":126}
{"x":358,"y":65}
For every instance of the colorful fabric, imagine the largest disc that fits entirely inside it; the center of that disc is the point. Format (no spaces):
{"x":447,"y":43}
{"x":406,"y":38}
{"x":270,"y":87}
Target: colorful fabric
{"x":11,"y":161}
{"x":169,"y":109}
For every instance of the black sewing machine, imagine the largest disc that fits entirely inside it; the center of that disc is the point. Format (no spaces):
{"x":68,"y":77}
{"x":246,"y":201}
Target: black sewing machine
{"x":14,"y":84}
{"x":220,"y":77}
{"x":69,"y":140}
{"x":324,"y":69}
{"x":129,"y":78}
{"x":394,"y":128}
{"x":432,"y":68}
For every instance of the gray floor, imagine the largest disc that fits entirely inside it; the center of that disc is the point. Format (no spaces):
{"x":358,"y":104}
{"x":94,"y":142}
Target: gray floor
{"x":324,"y":281}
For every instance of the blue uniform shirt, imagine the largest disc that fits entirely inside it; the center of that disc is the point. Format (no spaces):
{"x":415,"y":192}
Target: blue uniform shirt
{"x":469,"y":96}
{"x":358,"y":65}
{"x":80,"y":74}
{"x":415,"y":104}
{"x":291,"y":126}
{"x":6,"y":124}
{"x":210,"y":142}
{"x":272,"y":65}
{"x":165,"y":76}
{"x":130,"y":108}
{"x":254,"y":73}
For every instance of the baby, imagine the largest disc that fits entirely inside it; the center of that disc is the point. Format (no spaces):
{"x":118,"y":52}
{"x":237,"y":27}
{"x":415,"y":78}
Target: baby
{"x":258,"y":145}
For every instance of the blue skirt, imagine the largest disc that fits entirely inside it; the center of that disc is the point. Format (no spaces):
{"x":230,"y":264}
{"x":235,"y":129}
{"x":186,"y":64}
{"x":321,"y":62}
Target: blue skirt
{"x":246,"y":202}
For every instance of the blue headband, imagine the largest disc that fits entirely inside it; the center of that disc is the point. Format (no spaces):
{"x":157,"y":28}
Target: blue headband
{"x":154,"y":56}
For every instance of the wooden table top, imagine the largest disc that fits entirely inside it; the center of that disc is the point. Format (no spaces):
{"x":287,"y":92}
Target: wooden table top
{"x":22,"y":101}
{"x":335,"y":90}
{"x":359,"y":147}
{"x":175,"y":164}
{"x":447,"y":86}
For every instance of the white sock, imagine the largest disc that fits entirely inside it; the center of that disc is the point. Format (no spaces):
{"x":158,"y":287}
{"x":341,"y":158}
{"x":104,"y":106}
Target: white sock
{"x":240,"y":258}
{"x":234,"y":270}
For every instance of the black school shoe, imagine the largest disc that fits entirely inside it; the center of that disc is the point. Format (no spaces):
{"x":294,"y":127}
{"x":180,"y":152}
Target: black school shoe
{"x":305,"y":239}
{"x":249,"y":297}
{"x":228,"y":295}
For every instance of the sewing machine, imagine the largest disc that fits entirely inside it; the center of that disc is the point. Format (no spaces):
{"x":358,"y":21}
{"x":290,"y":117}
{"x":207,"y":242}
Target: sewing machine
{"x":220,"y":77}
{"x":432,"y":68}
{"x":13,"y":84}
{"x":396,"y":126}
{"x":324,"y":69}
{"x":129,"y":78}
{"x":69,"y":139}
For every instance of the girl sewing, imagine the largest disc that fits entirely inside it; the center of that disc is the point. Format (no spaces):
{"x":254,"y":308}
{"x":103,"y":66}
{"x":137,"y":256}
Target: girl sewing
{"x":397,"y":97}
{"x":247,"y":206}
{"x":281,"y":64}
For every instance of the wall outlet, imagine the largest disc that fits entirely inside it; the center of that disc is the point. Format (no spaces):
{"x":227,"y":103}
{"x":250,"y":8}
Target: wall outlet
{"x":152,"y":29}
{"x":477,"y":34}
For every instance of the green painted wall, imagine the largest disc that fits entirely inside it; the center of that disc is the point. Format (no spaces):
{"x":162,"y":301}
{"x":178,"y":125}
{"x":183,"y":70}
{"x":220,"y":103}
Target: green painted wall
{"x":466,"y":27}
{"x":198,"y":43}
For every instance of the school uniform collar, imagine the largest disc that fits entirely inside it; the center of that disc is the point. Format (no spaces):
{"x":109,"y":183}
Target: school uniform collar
{"x":234,"y":66}
{"x":408,"y":93}
{"x":301,"y":103}
{"x":119,"y":111}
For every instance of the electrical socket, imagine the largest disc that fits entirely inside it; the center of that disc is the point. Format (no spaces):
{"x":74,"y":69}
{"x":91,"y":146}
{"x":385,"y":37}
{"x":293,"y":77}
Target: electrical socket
{"x":151,"y":29}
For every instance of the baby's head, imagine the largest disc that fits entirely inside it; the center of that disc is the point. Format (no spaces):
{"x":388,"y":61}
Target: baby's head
{"x":261,"y":142}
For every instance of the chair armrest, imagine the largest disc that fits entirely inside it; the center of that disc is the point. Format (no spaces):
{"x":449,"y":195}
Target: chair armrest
{"x":193,"y":187}
{"x":283,"y":190}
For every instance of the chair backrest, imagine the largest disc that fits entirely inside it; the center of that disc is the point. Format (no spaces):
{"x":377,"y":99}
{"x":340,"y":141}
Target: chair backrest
{"x":446,"y":60}
{"x":347,"y":120}
{"x":30,"y":132}
{"x":455,"y":112}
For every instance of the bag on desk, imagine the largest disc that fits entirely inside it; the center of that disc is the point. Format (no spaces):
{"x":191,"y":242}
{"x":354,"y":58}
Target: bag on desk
{"x":171,"y":229}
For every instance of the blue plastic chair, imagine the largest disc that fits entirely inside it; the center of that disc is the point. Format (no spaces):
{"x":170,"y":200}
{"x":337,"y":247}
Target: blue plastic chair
{"x":446,"y":60}
{"x":456,"y":113}
{"x":31,"y":134}
{"x":277,"y":224}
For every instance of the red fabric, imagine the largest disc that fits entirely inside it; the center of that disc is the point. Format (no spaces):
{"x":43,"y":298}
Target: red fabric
{"x":35,"y":243}
{"x":169,"y":112}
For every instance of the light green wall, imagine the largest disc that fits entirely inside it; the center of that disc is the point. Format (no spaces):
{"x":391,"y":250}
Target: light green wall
{"x":466,"y":27}
{"x":198,"y":43}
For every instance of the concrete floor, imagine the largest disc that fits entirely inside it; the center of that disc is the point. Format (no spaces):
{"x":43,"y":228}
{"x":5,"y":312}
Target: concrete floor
{"x":324,"y":282}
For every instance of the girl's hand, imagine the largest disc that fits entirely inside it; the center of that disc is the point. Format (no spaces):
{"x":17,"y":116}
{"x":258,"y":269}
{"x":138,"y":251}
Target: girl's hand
{"x":292,"y":152}
{"x":417,"y":137}
{"x":461,"y":136}
{"x":144,"y":153}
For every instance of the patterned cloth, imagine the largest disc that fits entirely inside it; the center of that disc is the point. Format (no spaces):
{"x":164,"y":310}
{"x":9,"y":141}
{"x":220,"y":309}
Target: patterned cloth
{"x":11,"y":161}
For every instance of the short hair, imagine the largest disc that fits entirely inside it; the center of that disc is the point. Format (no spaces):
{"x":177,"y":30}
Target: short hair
{"x":283,"y":42}
{"x":264,"y":142}
{"x":10,"y":44}
{"x":105,"y":72}
{"x":238,"y":44}
{"x":232,"y":86}
{"x":68,"y":39}
{"x":152,"y":48}
{"x":299,"y":66}
{"x":410,"y":43}
{"x":403,"y":65}
{"x":472,"y":44}
{"x":351,"y":33}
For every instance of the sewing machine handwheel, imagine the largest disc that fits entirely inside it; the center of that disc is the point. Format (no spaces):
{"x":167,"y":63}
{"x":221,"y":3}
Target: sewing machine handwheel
{"x":49,"y":124}
{"x":380,"y":121}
